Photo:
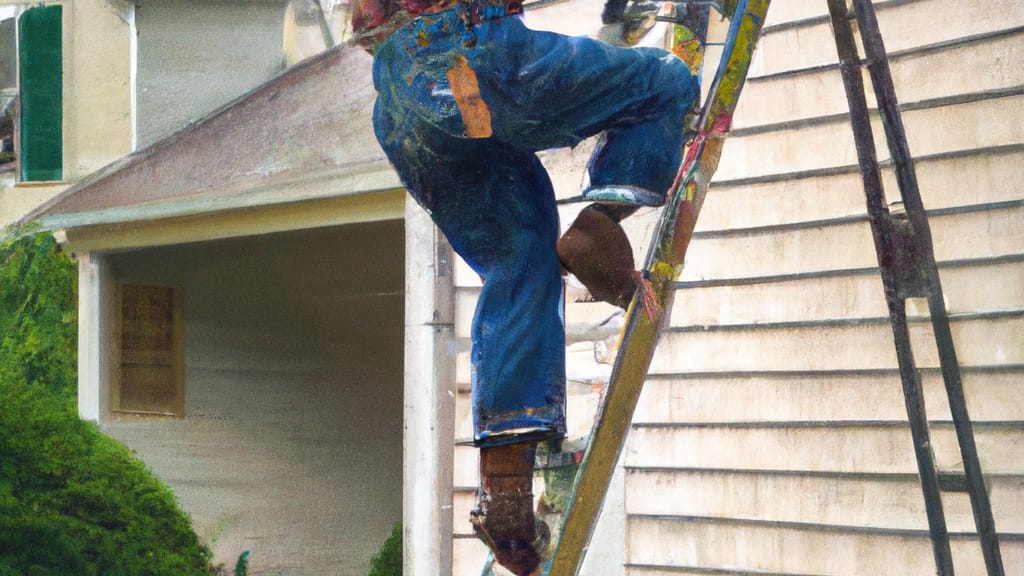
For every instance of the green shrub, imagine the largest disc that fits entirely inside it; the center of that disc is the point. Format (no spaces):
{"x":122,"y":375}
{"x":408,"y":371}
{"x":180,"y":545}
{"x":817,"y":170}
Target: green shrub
{"x":72,"y":501}
{"x":388,"y":562}
{"x":38,"y":313}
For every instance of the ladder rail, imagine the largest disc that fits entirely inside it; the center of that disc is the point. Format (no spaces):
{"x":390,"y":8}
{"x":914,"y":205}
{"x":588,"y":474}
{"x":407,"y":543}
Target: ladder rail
{"x":663,"y":265}
{"x":885,"y":94}
{"x":908,"y":268}
{"x":883,"y":233}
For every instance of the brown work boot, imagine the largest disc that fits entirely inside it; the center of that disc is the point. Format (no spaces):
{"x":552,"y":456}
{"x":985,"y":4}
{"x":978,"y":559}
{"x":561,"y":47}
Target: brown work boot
{"x":596,"y":250}
{"x":504,"y":519}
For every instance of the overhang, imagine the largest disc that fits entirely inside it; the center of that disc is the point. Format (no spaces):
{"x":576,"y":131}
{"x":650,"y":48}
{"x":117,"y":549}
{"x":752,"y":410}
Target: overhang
{"x":297,"y":152}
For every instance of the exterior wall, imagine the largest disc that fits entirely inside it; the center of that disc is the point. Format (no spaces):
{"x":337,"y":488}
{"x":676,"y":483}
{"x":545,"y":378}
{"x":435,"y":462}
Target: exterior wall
{"x":137,"y":72}
{"x":292,"y":442}
{"x":195,"y":56}
{"x":771,"y":435}
{"x":98,"y":121}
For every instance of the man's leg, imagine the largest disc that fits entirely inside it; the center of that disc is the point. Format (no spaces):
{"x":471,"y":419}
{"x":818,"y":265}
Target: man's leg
{"x":505,"y":516}
{"x":518,"y":341}
{"x":496,"y":207}
{"x":564,"y":89}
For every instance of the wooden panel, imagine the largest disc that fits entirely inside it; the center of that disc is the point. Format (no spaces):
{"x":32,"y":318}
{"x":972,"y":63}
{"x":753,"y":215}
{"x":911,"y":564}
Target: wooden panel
{"x":786,"y":251}
{"x":464,"y":500}
{"x":469,"y":555}
{"x":987,"y":287}
{"x":745,"y":548}
{"x":855,"y":296}
{"x":980,"y":234}
{"x":904,"y":25}
{"x":993,"y":64}
{"x":993,"y":122}
{"x":467,"y":466}
{"x":819,"y":448}
{"x":980,"y":342}
{"x":991,"y":397}
{"x":880,"y":502}
{"x":151,"y":368}
{"x":994,"y":178}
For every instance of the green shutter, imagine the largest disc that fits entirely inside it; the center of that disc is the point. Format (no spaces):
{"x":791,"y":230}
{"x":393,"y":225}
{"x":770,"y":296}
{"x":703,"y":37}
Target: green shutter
{"x":39,"y":70}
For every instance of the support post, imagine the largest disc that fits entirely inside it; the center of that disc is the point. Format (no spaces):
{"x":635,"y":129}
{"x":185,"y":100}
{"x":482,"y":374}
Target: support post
{"x":96,"y":331}
{"x":429,"y":443}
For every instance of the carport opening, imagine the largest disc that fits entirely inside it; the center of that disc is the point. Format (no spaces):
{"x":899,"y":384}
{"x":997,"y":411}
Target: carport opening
{"x":291,"y":441}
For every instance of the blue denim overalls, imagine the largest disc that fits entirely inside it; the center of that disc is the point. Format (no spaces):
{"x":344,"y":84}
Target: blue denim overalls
{"x":467,"y":155}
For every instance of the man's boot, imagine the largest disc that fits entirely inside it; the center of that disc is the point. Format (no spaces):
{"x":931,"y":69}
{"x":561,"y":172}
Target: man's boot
{"x":596,"y":250}
{"x":505,"y":519}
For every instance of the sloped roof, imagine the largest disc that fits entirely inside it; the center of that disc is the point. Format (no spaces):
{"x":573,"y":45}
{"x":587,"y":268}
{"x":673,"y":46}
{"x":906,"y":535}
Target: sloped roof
{"x":305,"y":134}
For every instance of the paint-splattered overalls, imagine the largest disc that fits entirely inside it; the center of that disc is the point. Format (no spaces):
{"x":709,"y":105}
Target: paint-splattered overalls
{"x":466,"y":98}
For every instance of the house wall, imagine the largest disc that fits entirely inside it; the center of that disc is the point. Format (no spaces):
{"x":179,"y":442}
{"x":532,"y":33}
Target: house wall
{"x":98,"y":123}
{"x":771,"y":436}
{"x":195,"y":56}
{"x":292,"y":442}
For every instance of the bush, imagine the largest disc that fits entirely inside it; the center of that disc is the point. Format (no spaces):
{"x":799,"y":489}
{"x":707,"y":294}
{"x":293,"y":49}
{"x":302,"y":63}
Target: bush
{"x":388,"y":562}
{"x":38,"y":314}
{"x":72,"y":501}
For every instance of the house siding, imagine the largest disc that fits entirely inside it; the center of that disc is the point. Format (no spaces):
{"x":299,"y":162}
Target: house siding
{"x":771,"y":435}
{"x":292,"y":439}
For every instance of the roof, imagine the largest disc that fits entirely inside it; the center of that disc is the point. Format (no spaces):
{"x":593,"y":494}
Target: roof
{"x":304,"y":135}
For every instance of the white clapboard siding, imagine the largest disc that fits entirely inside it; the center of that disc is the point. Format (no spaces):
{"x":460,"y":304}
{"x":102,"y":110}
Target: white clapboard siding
{"x":917,"y":75}
{"x":709,"y":546}
{"x":821,"y":396}
{"x":771,"y":436}
{"x":976,"y":286}
{"x":995,"y":177}
{"x":945,"y":128}
{"x":847,"y":244}
{"x":904,"y":25}
{"x":877,"y":501}
{"x":981,"y":341}
{"x":862,"y":448}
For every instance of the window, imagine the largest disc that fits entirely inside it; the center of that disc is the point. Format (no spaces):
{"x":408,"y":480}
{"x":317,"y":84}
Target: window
{"x":39,"y":88}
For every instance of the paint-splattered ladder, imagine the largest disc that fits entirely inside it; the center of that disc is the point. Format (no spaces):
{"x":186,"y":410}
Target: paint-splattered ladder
{"x":663,"y":265}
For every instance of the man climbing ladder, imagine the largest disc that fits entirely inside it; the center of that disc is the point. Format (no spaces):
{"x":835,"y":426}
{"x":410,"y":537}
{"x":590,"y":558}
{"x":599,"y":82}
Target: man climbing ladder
{"x":467,"y":95}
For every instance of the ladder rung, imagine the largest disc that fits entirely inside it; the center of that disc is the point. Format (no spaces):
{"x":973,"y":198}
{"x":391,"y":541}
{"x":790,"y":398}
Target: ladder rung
{"x":953,"y":482}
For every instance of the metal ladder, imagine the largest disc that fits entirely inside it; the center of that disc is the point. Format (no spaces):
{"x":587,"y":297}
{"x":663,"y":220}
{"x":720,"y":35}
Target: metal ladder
{"x":908,"y":270}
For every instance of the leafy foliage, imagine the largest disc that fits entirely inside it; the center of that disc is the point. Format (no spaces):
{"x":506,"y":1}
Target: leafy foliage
{"x":38,"y":313}
{"x":72,"y":501}
{"x":388,"y":562}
